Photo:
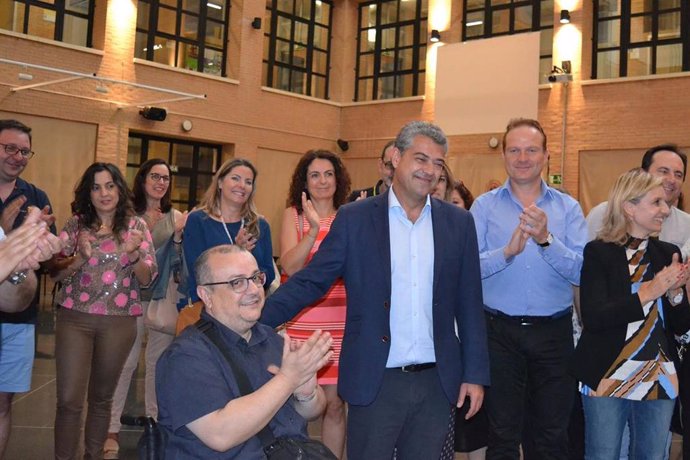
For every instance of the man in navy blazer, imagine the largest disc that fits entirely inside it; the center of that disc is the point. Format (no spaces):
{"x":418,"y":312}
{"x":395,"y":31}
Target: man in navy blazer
{"x":415,"y":336}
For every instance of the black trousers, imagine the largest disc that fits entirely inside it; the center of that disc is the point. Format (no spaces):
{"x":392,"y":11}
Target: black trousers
{"x":410,"y":413}
{"x":530,"y":385}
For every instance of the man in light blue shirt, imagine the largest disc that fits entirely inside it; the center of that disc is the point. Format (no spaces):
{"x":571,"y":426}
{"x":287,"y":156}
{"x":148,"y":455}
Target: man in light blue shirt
{"x":531,"y":238}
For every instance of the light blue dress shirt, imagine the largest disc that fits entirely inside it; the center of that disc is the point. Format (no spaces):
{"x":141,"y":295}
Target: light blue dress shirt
{"x":538,"y":281}
{"x":412,"y":281}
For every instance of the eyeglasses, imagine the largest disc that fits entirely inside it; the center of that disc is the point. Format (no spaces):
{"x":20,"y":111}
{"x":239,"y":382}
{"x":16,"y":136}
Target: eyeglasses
{"x":239,"y":285}
{"x":157,"y":178}
{"x":12,"y":149}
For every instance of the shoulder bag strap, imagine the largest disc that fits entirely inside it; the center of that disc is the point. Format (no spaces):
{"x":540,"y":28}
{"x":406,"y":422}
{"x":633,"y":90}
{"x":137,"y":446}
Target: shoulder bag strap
{"x":206,"y":327}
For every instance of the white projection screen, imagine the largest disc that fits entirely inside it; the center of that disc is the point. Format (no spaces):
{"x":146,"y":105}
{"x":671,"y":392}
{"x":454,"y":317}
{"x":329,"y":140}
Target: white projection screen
{"x":481,"y":84}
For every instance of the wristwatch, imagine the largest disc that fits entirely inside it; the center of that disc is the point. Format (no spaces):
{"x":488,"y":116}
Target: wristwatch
{"x":549,"y":240}
{"x":17,"y":278}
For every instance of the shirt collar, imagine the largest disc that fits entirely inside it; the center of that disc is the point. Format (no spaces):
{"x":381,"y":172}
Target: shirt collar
{"x":393,"y":201}
{"x":259,"y":334}
{"x":546,"y":191}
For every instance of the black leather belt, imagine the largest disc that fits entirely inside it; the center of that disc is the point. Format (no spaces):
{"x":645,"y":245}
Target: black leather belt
{"x":416,"y":367}
{"x":528,"y":320}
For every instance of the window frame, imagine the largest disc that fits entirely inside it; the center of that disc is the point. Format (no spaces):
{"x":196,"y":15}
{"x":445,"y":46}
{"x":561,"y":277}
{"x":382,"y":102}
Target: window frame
{"x":152,"y":32}
{"x":419,"y":45}
{"x":489,"y":9}
{"x":625,"y":43}
{"x":60,"y":9}
{"x":192,"y":173}
{"x":270,"y":63}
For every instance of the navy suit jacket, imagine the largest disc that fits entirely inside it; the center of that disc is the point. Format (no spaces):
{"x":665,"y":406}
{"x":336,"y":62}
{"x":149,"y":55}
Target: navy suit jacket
{"x":357,"y":248}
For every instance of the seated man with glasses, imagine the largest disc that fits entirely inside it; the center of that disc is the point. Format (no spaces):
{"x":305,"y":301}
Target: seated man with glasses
{"x":386,"y":169}
{"x":199,"y":402}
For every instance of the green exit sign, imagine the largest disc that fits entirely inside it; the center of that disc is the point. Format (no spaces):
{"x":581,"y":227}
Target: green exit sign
{"x":556,"y":179}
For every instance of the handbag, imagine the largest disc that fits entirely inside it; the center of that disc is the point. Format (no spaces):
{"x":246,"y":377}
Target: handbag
{"x":161,"y":315}
{"x":283,"y":448}
{"x":188,"y":316}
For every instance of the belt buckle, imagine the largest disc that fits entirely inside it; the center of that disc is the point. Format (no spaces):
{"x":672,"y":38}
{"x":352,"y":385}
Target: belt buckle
{"x":405,"y":368}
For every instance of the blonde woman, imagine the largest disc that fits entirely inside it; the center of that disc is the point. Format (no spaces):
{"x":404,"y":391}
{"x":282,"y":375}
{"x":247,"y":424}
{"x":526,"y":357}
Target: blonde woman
{"x":227,"y":215}
{"x":632,"y":300}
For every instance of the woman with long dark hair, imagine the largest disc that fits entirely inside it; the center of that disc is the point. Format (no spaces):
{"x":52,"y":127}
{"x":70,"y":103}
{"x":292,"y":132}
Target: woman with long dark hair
{"x":151,"y":197}
{"x":108,"y":255}
{"x":320,"y":185}
{"x":227,"y":215}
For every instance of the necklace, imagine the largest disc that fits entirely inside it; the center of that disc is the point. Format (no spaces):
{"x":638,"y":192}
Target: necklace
{"x":225,"y":227}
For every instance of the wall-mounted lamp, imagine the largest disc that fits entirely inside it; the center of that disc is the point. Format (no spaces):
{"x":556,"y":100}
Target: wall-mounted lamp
{"x":566,"y":66}
{"x":565,"y":17}
{"x":256,"y":23}
{"x":435,"y":36}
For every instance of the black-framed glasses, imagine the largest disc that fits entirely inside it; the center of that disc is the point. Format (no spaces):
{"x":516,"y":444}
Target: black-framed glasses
{"x":12,"y":149}
{"x":239,"y":285}
{"x":158,"y":177}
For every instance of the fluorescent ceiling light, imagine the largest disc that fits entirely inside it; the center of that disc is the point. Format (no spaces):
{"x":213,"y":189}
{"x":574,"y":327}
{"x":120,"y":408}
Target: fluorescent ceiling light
{"x":213,"y":5}
{"x":474,"y":23}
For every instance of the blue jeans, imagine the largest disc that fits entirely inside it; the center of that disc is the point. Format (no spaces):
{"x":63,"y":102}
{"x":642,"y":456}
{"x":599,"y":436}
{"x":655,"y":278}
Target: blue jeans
{"x":605,"y":419}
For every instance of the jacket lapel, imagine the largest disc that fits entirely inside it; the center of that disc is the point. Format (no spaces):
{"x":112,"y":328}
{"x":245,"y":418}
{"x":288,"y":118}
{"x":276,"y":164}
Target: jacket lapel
{"x":382,"y":233}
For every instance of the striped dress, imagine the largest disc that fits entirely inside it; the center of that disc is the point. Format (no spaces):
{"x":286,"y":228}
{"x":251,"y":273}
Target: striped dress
{"x":327,"y":313}
{"x":643,"y":369}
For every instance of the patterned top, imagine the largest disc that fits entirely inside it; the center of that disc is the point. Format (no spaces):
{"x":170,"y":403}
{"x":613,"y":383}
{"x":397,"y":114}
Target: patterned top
{"x":327,"y":313}
{"x":105,"y":284}
{"x":643,"y":370}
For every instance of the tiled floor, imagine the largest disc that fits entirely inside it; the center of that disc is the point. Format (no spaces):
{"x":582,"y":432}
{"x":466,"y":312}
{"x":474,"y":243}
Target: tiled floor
{"x":33,"y":413}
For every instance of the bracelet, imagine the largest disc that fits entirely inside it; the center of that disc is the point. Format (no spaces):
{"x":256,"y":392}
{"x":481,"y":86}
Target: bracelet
{"x":308,"y":398}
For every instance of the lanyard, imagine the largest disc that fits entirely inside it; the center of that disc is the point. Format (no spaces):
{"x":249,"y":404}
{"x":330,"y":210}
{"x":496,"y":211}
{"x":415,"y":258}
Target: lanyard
{"x":225,"y":227}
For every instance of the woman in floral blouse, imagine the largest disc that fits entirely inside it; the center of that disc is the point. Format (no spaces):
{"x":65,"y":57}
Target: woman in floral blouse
{"x":108,"y":255}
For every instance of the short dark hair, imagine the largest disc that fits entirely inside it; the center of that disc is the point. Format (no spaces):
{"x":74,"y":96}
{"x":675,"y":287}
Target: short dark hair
{"x":299,"y":179}
{"x":386,"y":147}
{"x":16,"y":125}
{"x":201,"y":268}
{"x":648,"y":157}
{"x":518,"y":122}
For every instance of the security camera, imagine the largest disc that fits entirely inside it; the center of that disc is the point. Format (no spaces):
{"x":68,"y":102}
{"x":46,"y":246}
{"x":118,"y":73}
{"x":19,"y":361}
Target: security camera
{"x":560,"y":78}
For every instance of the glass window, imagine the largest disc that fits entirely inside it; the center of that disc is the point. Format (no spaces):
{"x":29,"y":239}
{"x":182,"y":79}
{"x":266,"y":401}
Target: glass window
{"x":491,"y":18}
{"x":192,"y":164}
{"x":639,"y":37}
{"x":297,"y":36}
{"x":191,"y":34}
{"x":68,"y":21}
{"x":392,"y":49}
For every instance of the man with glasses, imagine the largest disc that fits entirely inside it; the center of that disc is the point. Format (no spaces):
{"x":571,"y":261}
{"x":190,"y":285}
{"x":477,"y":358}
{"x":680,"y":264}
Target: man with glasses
{"x":385,"y":171}
{"x":17,"y":329}
{"x":199,"y":403}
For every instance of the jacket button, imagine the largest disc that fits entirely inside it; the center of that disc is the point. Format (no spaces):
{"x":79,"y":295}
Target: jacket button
{"x":386,"y":305}
{"x":385,"y":339}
